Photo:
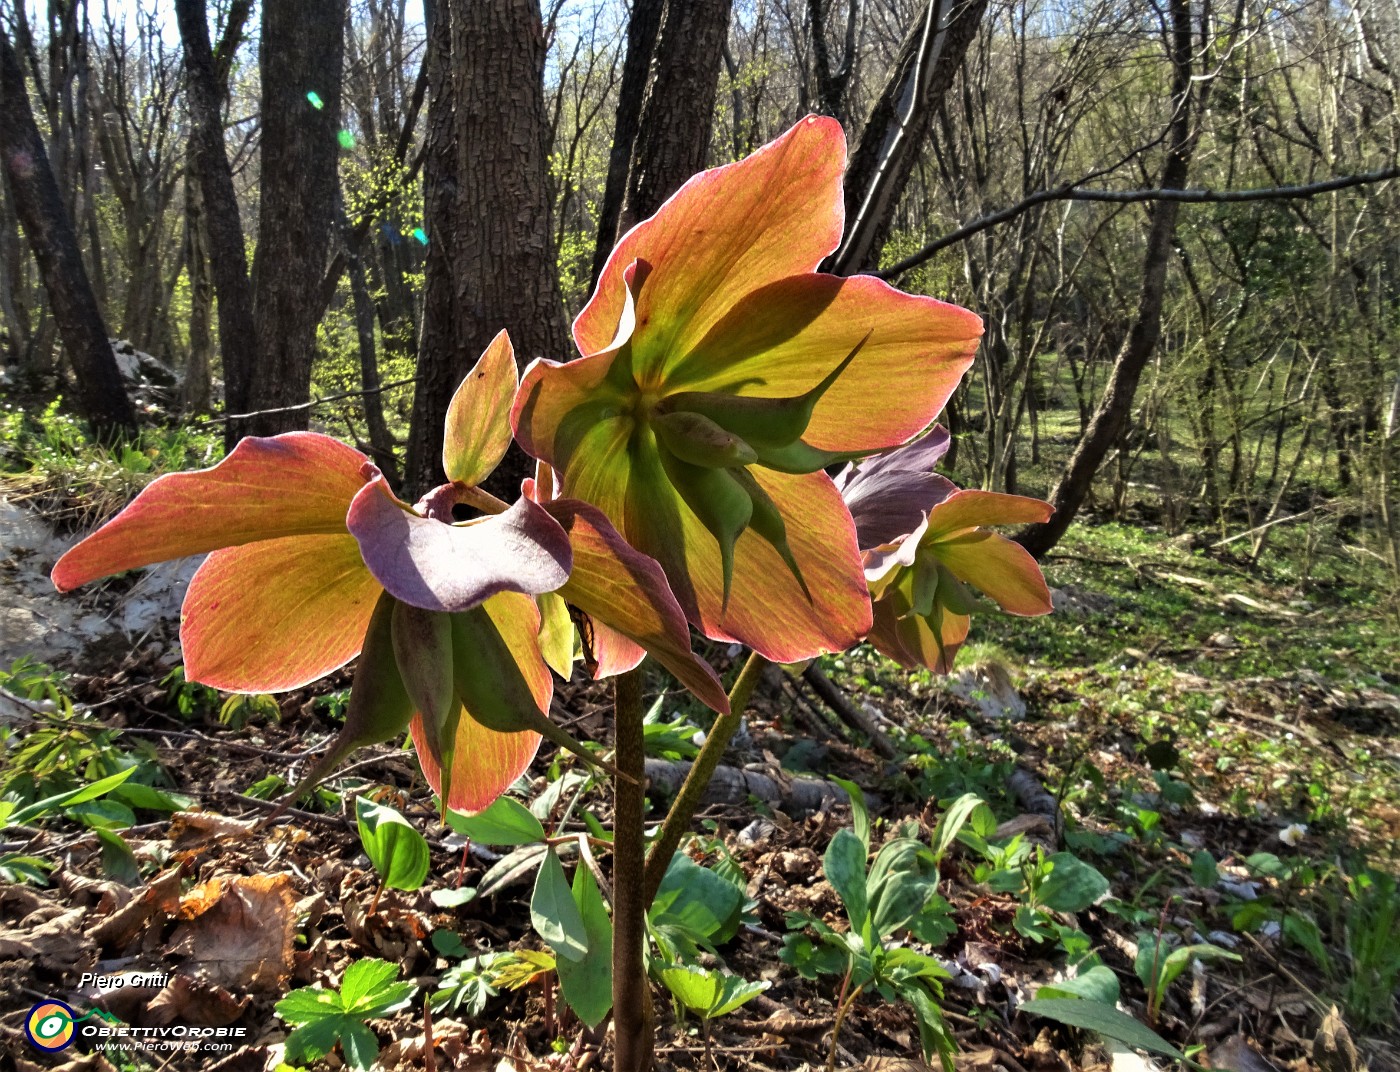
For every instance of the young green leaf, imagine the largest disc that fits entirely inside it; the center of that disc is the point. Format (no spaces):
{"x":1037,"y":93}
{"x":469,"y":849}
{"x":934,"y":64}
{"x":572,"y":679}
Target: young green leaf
{"x":1099,"y":984}
{"x":553,"y":912}
{"x":951,"y":822}
{"x":844,"y":865}
{"x":860,"y":813}
{"x":1072,"y":885}
{"x":118,"y":860}
{"x":709,"y":993}
{"x":506,"y":822}
{"x":398,"y":852}
{"x":1103,"y":1019}
{"x":1204,"y":871}
{"x":587,"y":984}
{"x":325,"y":1017}
{"x":694,"y":908}
{"x":81,"y":795}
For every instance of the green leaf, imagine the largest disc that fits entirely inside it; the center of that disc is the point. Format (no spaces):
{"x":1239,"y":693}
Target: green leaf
{"x":81,"y":795}
{"x":933,"y":1030}
{"x":505,"y":822}
{"x":1204,"y":871}
{"x":903,"y":879}
{"x":102,"y":815}
{"x":308,"y":1004}
{"x":812,"y":959}
{"x":453,"y":898}
{"x":362,"y":979}
{"x":587,"y":984}
{"x":1099,"y":984}
{"x":521,"y":968}
{"x":136,"y":795}
{"x":1072,"y":886}
{"x":399,"y":852}
{"x":1159,"y":965}
{"x":359,"y":1044}
{"x":844,"y":865}
{"x":117,"y":858}
{"x":1105,"y":1020}
{"x":860,"y":812}
{"x":709,"y":993}
{"x":389,"y":998}
{"x":468,"y":986}
{"x":694,"y":908}
{"x":555,"y":916}
{"x":316,"y":1038}
{"x":952,"y":821}
{"x":448,"y":943}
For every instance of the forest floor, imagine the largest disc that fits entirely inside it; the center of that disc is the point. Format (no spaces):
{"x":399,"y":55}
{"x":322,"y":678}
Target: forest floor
{"x":1219,"y":739}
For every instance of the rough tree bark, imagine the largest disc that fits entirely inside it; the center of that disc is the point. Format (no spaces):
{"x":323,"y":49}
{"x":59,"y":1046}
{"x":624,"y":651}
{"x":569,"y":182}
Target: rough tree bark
{"x":673,"y":138}
{"x":832,"y":84}
{"x":39,"y":206}
{"x":302,"y":48}
{"x":491,"y":262}
{"x":1133,"y":354}
{"x":228,"y":261}
{"x":196,"y":392}
{"x":642,"y":28}
{"x":895,"y":133}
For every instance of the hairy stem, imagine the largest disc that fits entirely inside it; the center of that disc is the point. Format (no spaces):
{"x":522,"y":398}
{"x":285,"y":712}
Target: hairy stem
{"x":687,"y":801}
{"x":633,"y":1021}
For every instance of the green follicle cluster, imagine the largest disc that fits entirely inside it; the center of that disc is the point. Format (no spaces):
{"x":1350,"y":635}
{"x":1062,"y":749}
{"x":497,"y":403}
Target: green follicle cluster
{"x":928,"y":585}
{"x":442,"y":666}
{"x":707,"y":440}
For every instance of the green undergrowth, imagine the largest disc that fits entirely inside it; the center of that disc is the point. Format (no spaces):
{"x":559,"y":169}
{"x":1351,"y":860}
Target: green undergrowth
{"x":48,"y":459}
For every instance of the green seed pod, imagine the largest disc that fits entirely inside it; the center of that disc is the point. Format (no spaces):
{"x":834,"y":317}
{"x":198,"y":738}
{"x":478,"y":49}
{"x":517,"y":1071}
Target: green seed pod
{"x":422,"y":641}
{"x":721,"y":503}
{"x":379,"y":708}
{"x":492,"y":689}
{"x":764,"y":423}
{"x":694,"y":438}
{"x":768,"y":523}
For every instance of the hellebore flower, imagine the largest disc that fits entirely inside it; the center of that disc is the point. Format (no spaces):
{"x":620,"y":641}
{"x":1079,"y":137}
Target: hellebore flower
{"x":923,"y":543}
{"x":312,"y":558}
{"x":720,"y":374}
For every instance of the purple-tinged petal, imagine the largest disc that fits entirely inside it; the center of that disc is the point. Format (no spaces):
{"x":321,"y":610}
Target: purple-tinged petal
{"x":883,"y":560}
{"x":442,"y":567}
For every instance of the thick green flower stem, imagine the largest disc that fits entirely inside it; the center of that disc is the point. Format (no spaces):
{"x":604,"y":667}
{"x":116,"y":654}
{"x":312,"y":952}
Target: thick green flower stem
{"x":687,"y":802}
{"x":634,"y":1026}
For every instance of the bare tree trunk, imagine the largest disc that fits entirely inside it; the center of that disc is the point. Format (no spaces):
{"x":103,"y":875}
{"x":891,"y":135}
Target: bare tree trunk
{"x":197,"y":389}
{"x":673,"y":139}
{"x":228,"y":262}
{"x":491,"y":262}
{"x":381,"y":443}
{"x":1117,"y":402}
{"x":39,"y":206}
{"x":894,"y":135}
{"x":832,"y":84}
{"x":301,"y":52}
{"x":641,"y":44}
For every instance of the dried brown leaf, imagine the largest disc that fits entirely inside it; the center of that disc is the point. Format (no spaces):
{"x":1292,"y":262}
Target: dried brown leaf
{"x":239,"y":932}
